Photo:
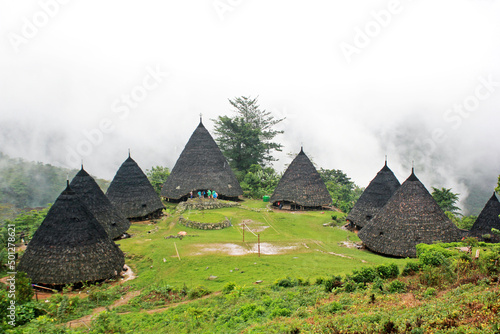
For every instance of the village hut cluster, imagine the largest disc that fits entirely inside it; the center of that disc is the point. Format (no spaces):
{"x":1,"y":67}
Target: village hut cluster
{"x":75,"y":241}
{"x":392,"y":218}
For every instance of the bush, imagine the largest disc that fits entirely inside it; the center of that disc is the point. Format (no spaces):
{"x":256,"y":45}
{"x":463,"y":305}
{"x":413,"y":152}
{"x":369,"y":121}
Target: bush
{"x":433,"y":258}
{"x":280,"y":312}
{"x":396,"y":287}
{"x":387,"y":271}
{"x":350,"y":286}
{"x":490,"y":263}
{"x":333,"y":283}
{"x":429,"y":292}
{"x":410,"y":268}
{"x":198,"y":292}
{"x":363,"y":275}
{"x":228,"y":287}
{"x":378,"y":285}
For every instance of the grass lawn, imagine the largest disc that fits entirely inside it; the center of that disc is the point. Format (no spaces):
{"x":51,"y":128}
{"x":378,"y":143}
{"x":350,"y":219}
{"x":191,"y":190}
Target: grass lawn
{"x":294,"y":244}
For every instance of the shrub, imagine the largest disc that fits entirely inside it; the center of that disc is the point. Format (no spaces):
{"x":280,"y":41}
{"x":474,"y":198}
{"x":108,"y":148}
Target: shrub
{"x":410,"y":268}
{"x":319,"y":281}
{"x":387,"y":271}
{"x":333,"y":283}
{"x":228,"y":287}
{"x":24,"y":291}
{"x":363,"y":275}
{"x":433,"y":258}
{"x":350,"y":286}
{"x":378,"y":285}
{"x":429,"y":292}
{"x":396,"y":286}
{"x":198,"y":292}
{"x":489,"y":263}
{"x":280,"y":312}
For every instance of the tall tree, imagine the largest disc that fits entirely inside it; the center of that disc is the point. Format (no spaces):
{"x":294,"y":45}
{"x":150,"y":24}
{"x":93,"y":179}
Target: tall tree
{"x":446,"y":200}
{"x":246,"y":138}
{"x":157,"y":177}
{"x":498,"y":188}
{"x":344,"y":192}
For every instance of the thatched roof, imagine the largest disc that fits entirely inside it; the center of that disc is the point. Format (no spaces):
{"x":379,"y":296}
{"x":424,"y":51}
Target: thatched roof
{"x":70,"y":246}
{"x":131,"y":192}
{"x":378,"y":192}
{"x":487,"y":219}
{"x":302,"y":185}
{"x":92,"y":196}
{"x":201,"y":166}
{"x":410,"y":217}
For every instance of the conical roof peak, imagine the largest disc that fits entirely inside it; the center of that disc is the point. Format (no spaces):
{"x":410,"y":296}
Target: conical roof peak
{"x":106,"y":214}
{"x":301,"y":184}
{"x":131,"y":192}
{"x":375,"y":196}
{"x":412,"y":177}
{"x":82,"y":172}
{"x":201,"y":166}
{"x":487,"y":219}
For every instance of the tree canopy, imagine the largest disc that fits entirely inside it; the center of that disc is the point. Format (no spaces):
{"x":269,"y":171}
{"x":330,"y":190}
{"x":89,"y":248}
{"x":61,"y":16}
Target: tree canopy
{"x":246,"y":138}
{"x":344,"y":192}
{"x":446,"y":200}
{"x":157,"y":177}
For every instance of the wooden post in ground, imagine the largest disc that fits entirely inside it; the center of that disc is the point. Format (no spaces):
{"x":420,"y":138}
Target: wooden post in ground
{"x":243,"y":232}
{"x":258,"y":243}
{"x":177,"y":251}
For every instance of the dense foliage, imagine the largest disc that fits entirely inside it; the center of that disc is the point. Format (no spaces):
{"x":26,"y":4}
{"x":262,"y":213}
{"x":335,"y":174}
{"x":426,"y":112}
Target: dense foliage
{"x":32,"y":184}
{"x":344,"y":192}
{"x":446,"y":199}
{"x":157,"y":177}
{"x":26,"y":225}
{"x":246,"y":138}
{"x":259,"y":181}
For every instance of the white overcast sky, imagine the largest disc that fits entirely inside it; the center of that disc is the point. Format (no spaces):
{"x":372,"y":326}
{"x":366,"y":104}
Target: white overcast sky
{"x":67,"y":66}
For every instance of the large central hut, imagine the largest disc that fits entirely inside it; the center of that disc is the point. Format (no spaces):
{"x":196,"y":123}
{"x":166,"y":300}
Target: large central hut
{"x":375,"y":196}
{"x":201,"y":166}
{"x":70,"y":246}
{"x":487,"y":219}
{"x":301,"y":186}
{"x":410,"y":217}
{"x":89,"y":192}
{"x":132,"y":194}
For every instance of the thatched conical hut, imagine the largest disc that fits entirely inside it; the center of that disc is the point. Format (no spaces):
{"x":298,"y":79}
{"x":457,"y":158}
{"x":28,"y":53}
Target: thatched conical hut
{"x":410,"y":217}
{"x":201,"y":166}
{"x":132,"y":194}
{"x":92,"y":196}
{"x":487,"y":219}
{"x":378,"y":192}
{"x":70,"y":246}
{"x":301,"y":186}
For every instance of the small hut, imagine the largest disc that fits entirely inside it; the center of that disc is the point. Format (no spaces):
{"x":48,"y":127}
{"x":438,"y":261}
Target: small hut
{"x":410,"y":217}
{"x":301,"y":186}
{"x":92,"y":196}
{"x":70,"y":246}
{"x":378,"y":192}
{"x":487,"y":219}
{"x":132,"y":194}
{"x":201,"y":166}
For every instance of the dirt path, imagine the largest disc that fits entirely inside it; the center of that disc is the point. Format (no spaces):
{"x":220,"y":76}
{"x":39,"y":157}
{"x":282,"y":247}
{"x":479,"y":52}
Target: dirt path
{"x":86,"y":320}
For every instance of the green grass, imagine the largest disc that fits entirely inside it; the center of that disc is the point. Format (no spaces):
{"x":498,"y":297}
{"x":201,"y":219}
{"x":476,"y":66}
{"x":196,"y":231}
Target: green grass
{"x":154,"y":258}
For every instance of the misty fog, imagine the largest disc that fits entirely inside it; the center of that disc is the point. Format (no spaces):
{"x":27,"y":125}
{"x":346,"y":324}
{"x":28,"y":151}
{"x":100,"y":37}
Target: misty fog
{"x":414,"y":80}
